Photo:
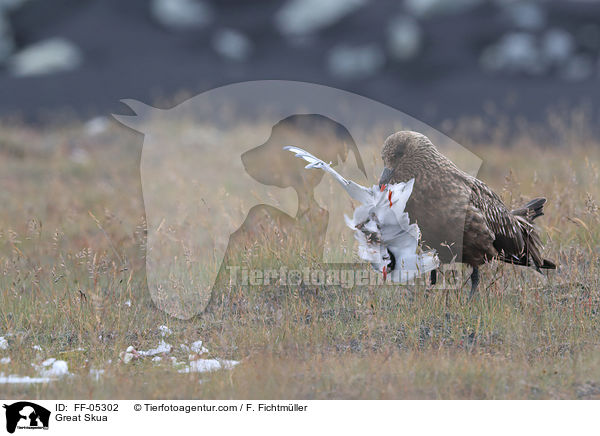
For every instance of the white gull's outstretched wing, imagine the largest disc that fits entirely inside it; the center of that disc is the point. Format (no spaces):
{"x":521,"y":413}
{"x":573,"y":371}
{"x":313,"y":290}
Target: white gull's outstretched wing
{"x":382,"y":228}
{"x":356,"y":191}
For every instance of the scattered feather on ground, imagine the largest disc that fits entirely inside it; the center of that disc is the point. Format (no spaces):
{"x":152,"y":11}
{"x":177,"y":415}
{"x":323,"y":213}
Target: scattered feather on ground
{"x":195,"y":362}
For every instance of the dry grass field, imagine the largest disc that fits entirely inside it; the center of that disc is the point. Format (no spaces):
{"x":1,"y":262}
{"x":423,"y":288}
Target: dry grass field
{"x":73,"y":287}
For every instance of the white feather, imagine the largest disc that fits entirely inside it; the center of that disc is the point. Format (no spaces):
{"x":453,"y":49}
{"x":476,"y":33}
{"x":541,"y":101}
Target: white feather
{"x":359,"y":193}
{"x":381,"y":226}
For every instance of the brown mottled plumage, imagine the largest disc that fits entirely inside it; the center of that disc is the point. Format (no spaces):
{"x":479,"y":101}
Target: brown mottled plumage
{"x":459,"y":215}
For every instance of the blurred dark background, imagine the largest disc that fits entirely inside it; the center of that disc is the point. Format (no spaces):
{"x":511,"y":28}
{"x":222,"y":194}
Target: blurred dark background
{"x":433,"y":59}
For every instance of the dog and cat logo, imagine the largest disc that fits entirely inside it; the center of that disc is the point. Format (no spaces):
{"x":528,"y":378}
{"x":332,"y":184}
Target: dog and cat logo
{"x":26,"y":415}
{"x":201,"y":213}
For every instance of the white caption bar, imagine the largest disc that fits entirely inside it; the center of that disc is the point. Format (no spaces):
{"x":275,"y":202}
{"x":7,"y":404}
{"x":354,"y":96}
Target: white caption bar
{"x":297,"y":417}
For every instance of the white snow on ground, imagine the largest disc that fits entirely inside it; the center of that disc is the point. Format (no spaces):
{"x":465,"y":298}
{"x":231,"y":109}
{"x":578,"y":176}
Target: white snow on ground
{"x":96,"y":373}
{"x":96,"y":126}
{"x":162,"y":347}
{"x":194,"y":365}
{"x":37,"y":348}
{"x":51,"y":55}
{"x":48,"y":370}
{"x":3,"y":343}
{"x":302,"y":17}
{"x":131,"y":353}
{"x":54,"y":368}
{"x":5,"y":360}
{"x":198,"y":348}
{"x":208,"y":365}
{"x":165,"y":331}
{"x":232,"y":44}
{"x":10,"y":379}
{"x":181,"y":14}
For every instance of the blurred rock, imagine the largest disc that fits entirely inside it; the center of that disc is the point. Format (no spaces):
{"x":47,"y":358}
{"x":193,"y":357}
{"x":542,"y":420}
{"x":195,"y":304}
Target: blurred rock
{"x":181,"y":14}
{"x":526,"y":15}
{"x":424,"y":8}
{"x":301,"y":17}
{"x":347,"y":62}
{"x":515,"y":52}
{"x":45,"y":57}
{"x":579,"y":67}
{"x":404,"y":38}
{"x":232,"y":44}
{"x":557,"y":46}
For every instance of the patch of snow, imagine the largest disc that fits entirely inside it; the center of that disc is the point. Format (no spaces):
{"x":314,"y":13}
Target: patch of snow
{"x":5,"y":360}
{"x":355,"y":62}
{"x":181,"y":14}
{"x":232,"y":44}
{"x":162,"y":347}
{"x":425,"y":8}
{"x":301,"y":17}
{"x":54,"y":368}
{"x":127,"y":303}
{"x":165,"y":331}
{"x":197,"y":347}
{"x":526,"y":15}
{"x":156,"y":359}
{"x":557,"y":45}
{"x":515,"y":52}
{"x":52,"y":55}
{"x":404,"y":38}
{"x":37,"y":348}
{"x":208,"y":365}
{"x":131,"y":353}
{"x":96,"y":126}
{"x":3,"y":343}
{"x":16,"y":379}
{"x":96,"y":373}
